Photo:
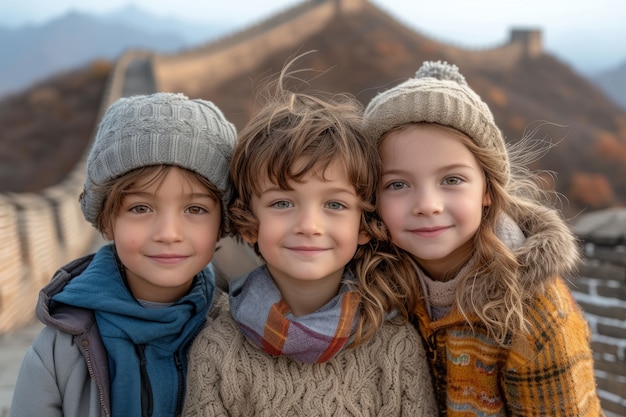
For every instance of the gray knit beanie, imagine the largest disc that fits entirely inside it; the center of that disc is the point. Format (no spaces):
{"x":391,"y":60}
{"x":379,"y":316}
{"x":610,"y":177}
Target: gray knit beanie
{"x":159,"y":129}
{"x":437,"y":94}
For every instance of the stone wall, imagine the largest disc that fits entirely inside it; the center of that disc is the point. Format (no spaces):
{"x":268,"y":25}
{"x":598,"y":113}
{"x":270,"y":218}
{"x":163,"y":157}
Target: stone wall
{"x":601,"y":292}
{"x":600,"y":289}
{"x":42,"y":231}
{"x":39,"y":233}
{"x":240,"y":53}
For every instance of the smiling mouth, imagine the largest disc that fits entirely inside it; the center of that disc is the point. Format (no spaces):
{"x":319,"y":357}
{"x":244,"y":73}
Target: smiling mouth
{"x":307,"y":250}
{"x":429,"y":232}
{"x":168,"y":259}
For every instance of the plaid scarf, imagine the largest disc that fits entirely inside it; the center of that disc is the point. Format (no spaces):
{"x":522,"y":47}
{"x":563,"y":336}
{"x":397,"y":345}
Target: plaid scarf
{"x":266,"y":320}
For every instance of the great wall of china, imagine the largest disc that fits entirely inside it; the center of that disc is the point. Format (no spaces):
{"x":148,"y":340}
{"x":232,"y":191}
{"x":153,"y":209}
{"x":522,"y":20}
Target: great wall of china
{"x":42,"y":231}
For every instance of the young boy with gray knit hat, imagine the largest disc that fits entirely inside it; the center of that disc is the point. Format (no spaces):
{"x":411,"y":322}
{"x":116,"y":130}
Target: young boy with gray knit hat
{"x":119,"y":322}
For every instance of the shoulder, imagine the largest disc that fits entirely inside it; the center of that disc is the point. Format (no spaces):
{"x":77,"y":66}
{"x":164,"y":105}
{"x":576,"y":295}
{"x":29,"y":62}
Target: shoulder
{"x":556,"y":325}
{"x":54,"y":353}
{"x":394,"y":342}
{"x":555,"y":305}
{"x":220,"y":303}
{"x":54,"y":376}
{"x":56,"y":346}
{"x":392,"y":332}
{"x":220,"y":332}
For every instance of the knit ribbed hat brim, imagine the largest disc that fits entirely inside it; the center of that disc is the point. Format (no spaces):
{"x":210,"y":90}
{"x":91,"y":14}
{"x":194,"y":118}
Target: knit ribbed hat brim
{"x":159,"y":129}
{"x":438,"y":94}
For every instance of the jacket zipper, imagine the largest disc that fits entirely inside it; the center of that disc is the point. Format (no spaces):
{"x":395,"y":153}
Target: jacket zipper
{"x":181,"y":384}
{"x":146,"y":386}
{"x":87,"y":355}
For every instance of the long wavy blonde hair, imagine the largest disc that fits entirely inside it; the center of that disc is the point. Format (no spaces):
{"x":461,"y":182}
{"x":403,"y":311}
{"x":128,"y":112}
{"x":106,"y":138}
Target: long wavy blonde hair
{"x":500,"y":304}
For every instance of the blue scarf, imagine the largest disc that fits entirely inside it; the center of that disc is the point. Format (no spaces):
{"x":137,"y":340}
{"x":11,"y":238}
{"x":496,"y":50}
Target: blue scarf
{"x":125,"y":325}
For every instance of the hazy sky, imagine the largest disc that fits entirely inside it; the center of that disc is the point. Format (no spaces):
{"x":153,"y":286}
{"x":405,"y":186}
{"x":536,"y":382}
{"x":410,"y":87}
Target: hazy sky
{"x":587,"y":26}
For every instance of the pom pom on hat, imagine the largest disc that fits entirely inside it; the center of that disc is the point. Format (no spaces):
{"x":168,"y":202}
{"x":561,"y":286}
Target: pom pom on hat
{"x":441,"y":71}
{"x":159,"y":129}
{"x":438,"y":94}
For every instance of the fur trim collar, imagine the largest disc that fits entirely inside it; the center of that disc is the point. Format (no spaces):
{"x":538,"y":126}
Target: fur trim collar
{"x":550,"y":248}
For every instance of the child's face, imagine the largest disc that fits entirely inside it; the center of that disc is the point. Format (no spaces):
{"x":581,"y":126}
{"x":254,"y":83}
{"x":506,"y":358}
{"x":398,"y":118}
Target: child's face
{"x":307,"y":235}
{"x":432,"y":196}
{"x":165,"y":234}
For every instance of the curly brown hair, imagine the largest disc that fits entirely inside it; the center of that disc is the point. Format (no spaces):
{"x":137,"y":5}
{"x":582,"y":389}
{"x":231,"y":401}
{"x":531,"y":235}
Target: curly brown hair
{"x":295,"y":134}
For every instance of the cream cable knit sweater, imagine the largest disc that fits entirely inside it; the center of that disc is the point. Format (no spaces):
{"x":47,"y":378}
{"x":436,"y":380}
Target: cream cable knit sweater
{"x":228,"y":376}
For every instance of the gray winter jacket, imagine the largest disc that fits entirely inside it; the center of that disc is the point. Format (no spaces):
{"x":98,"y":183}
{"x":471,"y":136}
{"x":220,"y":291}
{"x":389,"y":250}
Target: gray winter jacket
{"x":67,"y":363}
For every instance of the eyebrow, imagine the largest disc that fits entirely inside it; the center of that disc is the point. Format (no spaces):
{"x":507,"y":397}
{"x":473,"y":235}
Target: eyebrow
{"x":331,"y":190}
{"x":144,"y":194}
{"x":442,"y":168}
{"x":454,"y":166}
{"x":341,"y":190}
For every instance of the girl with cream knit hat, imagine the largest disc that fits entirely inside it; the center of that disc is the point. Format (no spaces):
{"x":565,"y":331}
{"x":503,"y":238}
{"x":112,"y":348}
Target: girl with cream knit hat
{"x":307,"y":332}
{"x":485,"y":258}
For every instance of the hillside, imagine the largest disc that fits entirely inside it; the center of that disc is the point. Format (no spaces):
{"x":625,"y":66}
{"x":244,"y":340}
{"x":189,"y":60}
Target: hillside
{"x":613,"y":82}
{"x":46,"y":129}
{"x":366,"y":52}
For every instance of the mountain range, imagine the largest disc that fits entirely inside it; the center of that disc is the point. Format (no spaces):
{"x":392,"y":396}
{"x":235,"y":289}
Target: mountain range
{"x":32,"y":53}
{"x":47,"y":126}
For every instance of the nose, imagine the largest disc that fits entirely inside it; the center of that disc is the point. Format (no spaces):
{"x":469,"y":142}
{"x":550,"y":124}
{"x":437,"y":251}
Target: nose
{"x":309,"y":221}
{"x":168,"y":227}
{"x":427,"y":201}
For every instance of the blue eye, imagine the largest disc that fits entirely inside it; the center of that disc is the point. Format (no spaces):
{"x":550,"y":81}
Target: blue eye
{"x":281,"y":204}
{"x":334,"y":205}
{"x":396,"y":185}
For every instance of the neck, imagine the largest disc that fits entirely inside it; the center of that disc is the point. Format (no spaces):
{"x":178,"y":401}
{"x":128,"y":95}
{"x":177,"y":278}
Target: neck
{"x":448,"y":267}
{"x":309,"y":296}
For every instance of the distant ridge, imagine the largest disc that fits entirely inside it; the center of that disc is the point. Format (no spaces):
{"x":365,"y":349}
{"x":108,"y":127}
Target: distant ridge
{"x":31,"y":54}
{"x":363,"y":50}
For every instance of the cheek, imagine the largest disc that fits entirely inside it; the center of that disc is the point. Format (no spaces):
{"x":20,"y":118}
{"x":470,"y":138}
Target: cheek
{"x":388,"y":211}
{"x":214,"y":231}
{"x":267,"y":236}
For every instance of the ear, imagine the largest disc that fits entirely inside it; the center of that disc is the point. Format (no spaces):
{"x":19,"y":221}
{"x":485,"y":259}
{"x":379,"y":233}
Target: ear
{"x":108,"y":235}
{"x":364,"y":237}
{"x":249,"y":237}
{"x":486,"y":199}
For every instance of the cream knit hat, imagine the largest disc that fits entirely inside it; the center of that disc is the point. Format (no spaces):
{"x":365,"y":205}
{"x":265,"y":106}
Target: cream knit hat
{"x":437,"y":94}
{"x":156,"y":129}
